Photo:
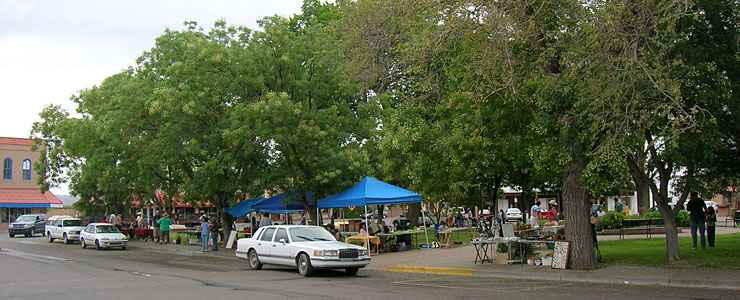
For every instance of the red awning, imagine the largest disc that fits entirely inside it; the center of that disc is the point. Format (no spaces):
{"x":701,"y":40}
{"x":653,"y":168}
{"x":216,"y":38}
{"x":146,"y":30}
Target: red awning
{"x":28,"y":196}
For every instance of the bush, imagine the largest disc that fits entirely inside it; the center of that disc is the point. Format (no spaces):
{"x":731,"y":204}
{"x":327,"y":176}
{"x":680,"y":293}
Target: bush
{"x":653,"y":214}
{"x":612,"y":220}
{"x":682,"y":219}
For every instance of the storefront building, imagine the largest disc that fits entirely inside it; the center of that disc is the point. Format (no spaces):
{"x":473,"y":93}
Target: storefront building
{"x":19,"y":191}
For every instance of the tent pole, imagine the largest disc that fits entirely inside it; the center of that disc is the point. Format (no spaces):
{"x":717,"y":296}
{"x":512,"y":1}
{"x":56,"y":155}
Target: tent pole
{"x":367,"y":232}
{"x":424,"y":221}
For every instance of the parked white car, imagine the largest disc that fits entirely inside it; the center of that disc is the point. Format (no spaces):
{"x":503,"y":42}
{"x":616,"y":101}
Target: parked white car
{"x":514,"y":214}
{"x":65,"y":228}
{"x":305,"y":247}
{"x":103,"y":235}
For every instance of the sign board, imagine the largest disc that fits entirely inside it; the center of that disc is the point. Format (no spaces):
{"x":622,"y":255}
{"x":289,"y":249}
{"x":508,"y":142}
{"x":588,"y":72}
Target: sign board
{"x":560,"y":255}
{"x":230,"y":242}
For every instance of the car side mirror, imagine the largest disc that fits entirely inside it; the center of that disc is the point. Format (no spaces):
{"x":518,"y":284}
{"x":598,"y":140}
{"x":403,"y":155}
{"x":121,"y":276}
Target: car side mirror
{"x":283,"y":241}
{"x":60,"y":225}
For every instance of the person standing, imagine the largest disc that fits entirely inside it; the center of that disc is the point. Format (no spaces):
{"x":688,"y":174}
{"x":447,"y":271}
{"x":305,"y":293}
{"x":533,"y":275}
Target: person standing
{"x":711,"y":225}
{"x":265,"y":221}
{"x":204,"y":234}
{"x":155,"y":228}
{"x":534,"y":213}
{"x":697,"y":212}
{"x":214,"y":227}
{"x":164,"y":229}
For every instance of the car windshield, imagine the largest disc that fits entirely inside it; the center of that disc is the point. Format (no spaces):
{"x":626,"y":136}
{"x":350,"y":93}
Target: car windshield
{"x":106,"y":229}
{"x":310,"y":234}
{"x":71,"y":223}
{"x":26,"y":219}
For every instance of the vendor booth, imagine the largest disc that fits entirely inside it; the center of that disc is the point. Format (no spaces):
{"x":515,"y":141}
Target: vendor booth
{"x":371,"y":191}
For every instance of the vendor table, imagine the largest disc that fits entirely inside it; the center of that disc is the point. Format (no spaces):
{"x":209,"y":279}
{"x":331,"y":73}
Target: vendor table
{"x":406,"y":236}
{"x":523,"y":242}
{"x":481,"y":250}
{"x":373,"y":241}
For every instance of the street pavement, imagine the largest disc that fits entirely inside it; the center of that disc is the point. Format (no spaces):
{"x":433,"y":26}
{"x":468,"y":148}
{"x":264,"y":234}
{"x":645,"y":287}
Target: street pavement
{"x":31,"y":268}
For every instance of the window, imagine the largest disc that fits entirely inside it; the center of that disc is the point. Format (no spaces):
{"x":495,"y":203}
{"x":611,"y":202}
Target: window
{"x":90,"y":229}
{"x":8,"y":168}
{"x":26,"y":167}
{"x":281,"y":234}
{"x":267,"y":234}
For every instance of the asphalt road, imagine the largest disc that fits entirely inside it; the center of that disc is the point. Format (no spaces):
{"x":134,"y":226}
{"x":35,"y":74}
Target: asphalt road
{"x":31,"y":268}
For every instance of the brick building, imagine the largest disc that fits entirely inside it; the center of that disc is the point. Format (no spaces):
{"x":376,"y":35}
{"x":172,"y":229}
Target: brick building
{"x":19,"y":191}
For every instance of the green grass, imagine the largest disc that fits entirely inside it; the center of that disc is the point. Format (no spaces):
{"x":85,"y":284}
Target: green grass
{"x":652,"y":253}
{"x":458,"y":236}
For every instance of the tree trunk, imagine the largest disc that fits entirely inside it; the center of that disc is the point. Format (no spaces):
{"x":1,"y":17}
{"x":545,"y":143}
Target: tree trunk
{"x":642,"y":183}
{"x":671,"y":237}
{"x":413,"y":214}
{"x":578,"y":225}
{"x":226,"y":219}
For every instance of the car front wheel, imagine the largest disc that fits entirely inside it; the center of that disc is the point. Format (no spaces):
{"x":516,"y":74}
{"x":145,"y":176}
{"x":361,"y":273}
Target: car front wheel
{"x":254,"y":260}
{"x":304,"y":265}
{"x":97,"y":245}
{"x":82,"y":242}
{"x":51,"y":239}
{"x":66,"y":239}
{"x":352,"y":271}
{"x":11,"y":235}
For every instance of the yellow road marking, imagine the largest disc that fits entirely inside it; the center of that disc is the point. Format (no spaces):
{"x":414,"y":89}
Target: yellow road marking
{"x":430,"y":270}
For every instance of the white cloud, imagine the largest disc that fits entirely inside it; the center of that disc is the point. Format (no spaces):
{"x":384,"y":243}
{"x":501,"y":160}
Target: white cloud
{"x":49,"y":50}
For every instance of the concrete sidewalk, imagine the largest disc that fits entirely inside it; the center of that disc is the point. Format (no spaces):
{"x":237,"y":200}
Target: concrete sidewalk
{"x":685,"y":232}
{"x":459,"y":262}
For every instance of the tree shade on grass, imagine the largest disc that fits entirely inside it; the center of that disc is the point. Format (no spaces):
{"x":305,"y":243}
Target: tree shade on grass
{"x":652,"y":253}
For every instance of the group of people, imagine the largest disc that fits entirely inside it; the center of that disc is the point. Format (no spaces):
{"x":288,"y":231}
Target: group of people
{"x":209,"y":230}
{"x":702,"y":219}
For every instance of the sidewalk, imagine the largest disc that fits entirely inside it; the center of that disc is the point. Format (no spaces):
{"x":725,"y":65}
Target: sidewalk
{"x":459,"y":262}
{"x":187,"y":250}
{"x":685,"y":232}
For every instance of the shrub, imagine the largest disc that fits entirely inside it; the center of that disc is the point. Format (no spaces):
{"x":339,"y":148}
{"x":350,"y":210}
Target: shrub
{"x":653,"y":214}
{"x":682,"y":219}
{"x":612,"y":220}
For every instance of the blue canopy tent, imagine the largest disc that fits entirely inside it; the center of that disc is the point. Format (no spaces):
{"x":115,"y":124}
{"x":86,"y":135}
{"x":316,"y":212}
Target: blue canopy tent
{"x":243,"y":208}
{"x":371,"y":191}
{"x":280,"y":204}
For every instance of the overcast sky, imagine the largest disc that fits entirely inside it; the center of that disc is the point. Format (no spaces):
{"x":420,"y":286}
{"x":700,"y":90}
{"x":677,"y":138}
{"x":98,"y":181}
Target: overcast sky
{"x":51,"y":49}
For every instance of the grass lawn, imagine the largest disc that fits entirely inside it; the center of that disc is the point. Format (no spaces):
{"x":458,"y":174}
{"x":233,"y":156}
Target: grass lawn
{"x":458,"y":236}
{"x":725,"y":255}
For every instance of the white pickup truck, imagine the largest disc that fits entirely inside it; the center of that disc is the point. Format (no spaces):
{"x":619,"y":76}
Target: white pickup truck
{"x":305,"y":247}
{"x":64,"y":228}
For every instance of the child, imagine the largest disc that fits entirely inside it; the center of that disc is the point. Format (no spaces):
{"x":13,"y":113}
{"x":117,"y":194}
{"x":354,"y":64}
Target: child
{"x":711,"y":225}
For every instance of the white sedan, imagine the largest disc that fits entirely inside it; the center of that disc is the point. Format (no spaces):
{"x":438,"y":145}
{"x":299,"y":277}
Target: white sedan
{"x":305,"y":247}
{"x":103,"y":235}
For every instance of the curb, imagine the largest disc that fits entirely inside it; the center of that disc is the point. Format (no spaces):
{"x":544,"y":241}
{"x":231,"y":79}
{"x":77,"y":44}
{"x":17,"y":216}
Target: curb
{"x":616,"y":281}
{"x":564,"y":278}
{"x":430,"y":270}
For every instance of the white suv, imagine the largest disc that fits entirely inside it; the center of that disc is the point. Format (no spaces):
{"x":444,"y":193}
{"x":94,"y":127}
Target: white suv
{"x":65,"y":228}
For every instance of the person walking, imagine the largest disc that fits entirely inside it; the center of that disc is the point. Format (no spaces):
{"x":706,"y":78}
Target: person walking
{"x":204,"y":234}
{"x":711,"y":225}
{"x":214,"y":228}
{"x":697,"y":213}
{"x":164,"y":229}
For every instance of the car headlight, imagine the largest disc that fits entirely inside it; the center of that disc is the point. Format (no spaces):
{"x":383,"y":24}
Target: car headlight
{"x":326,"y":253}
{"x":27,"y":225}
{"x":363,"y":252}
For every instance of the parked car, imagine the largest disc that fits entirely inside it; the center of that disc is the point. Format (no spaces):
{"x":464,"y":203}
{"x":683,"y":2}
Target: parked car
{"x":27,"y":225}
{"x":103,"y":235}
{"x":514,"y":214}
{"x":65,"y":228}
{"x":305,"y":247}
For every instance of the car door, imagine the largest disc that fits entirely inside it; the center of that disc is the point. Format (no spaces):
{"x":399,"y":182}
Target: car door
{"x":86,"y":234}
{"x":264,"y":246}
{"x":281,"y":247}
{"x":53,"y":228}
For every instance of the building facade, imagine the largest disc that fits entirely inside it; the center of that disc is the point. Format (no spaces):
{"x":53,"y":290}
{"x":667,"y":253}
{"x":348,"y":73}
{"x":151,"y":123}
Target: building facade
{"x":19,"y":191}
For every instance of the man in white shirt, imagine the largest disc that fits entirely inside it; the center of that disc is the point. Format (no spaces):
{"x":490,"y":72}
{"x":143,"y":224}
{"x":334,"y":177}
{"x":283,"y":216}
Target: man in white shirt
{"x":534,"y":213}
